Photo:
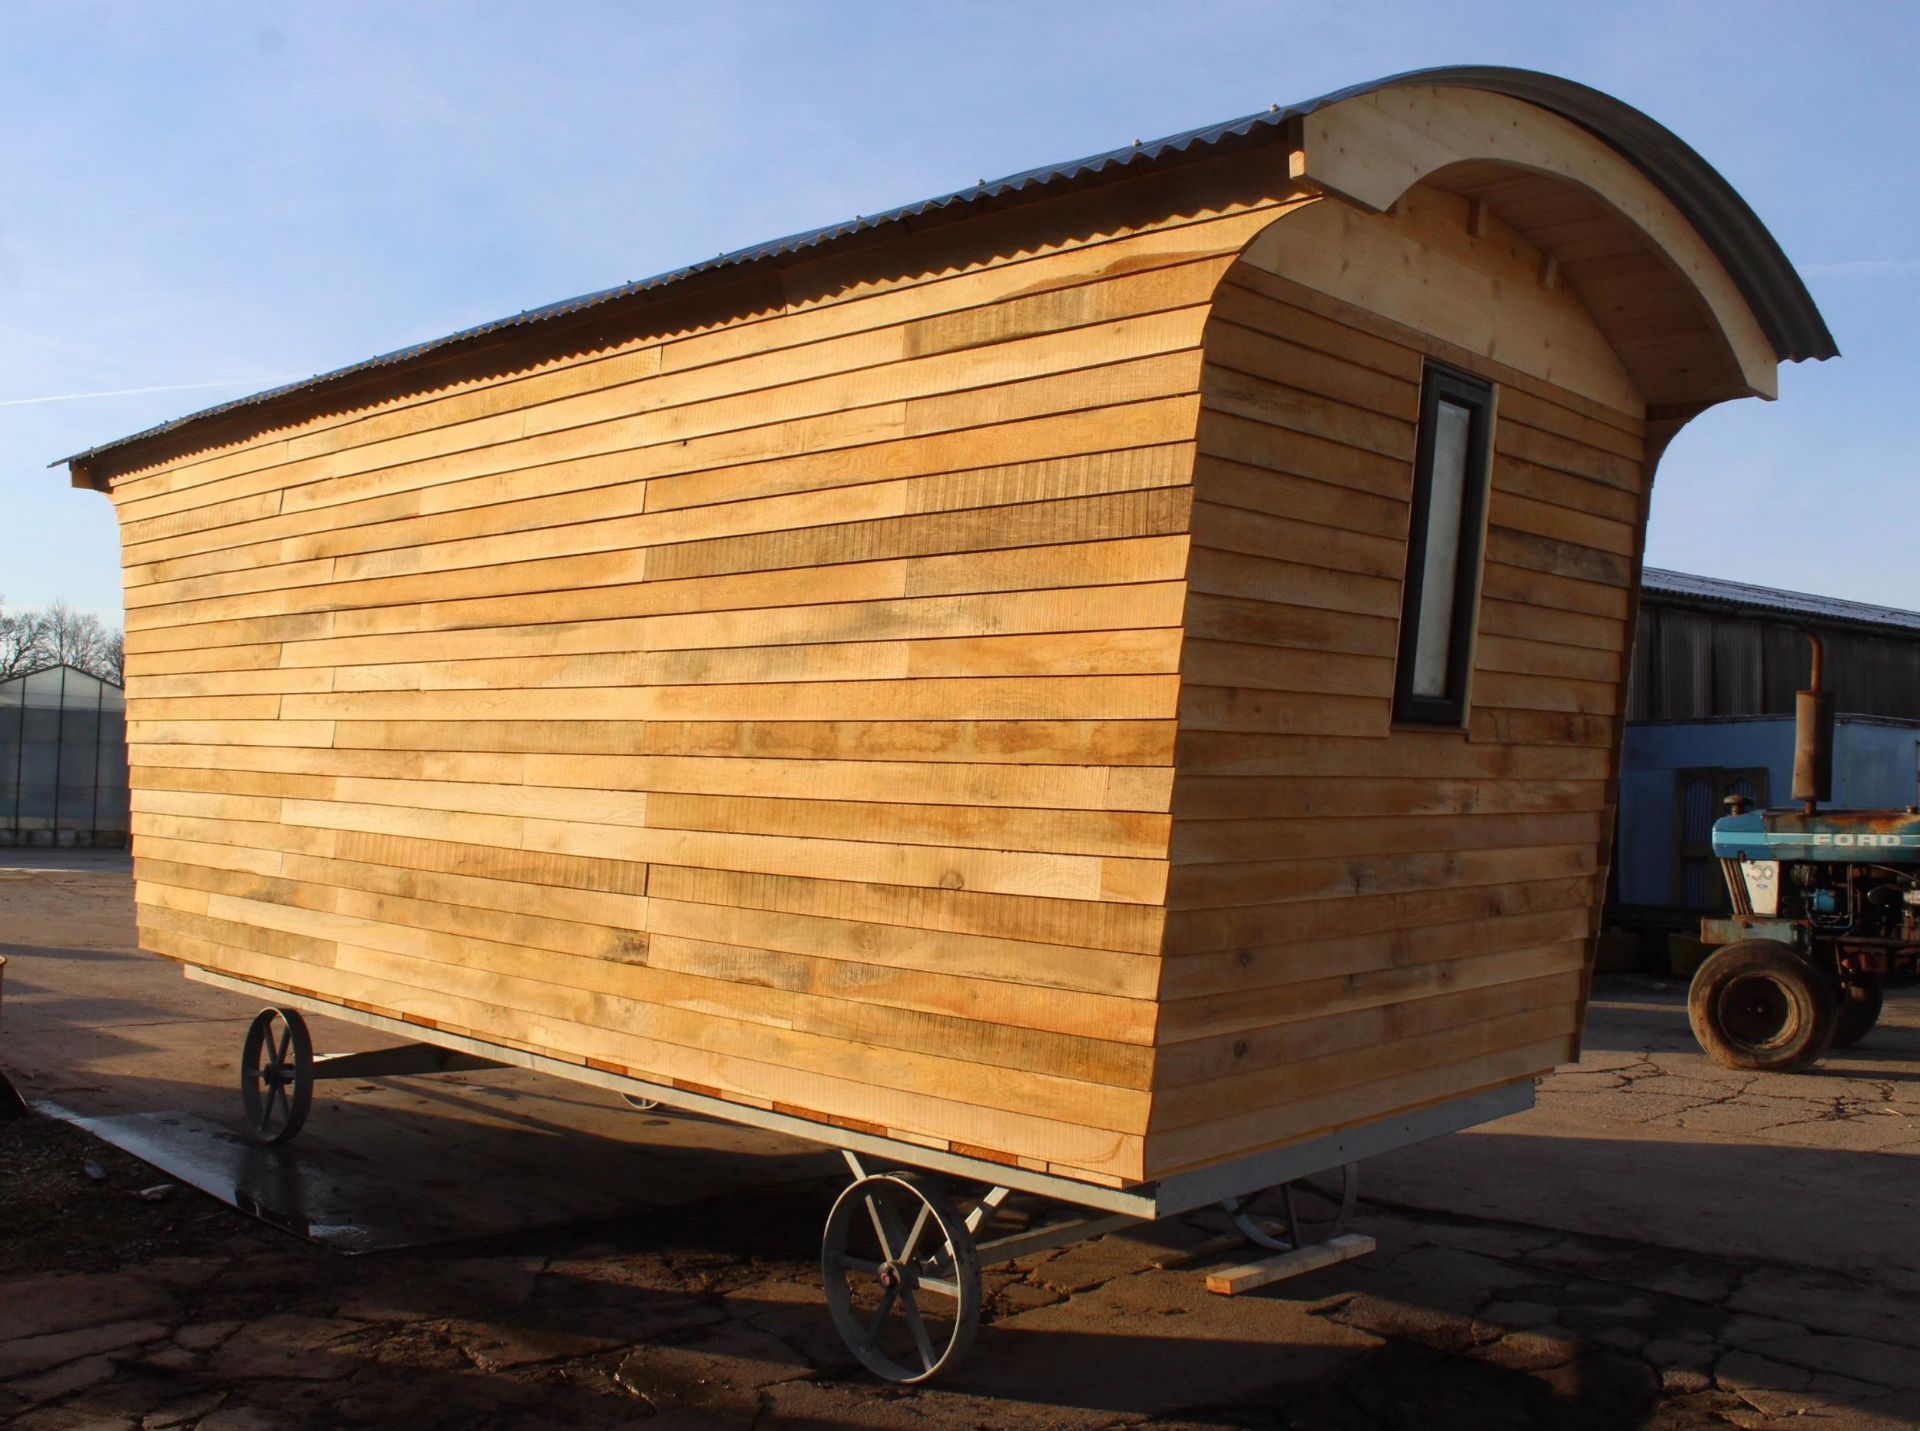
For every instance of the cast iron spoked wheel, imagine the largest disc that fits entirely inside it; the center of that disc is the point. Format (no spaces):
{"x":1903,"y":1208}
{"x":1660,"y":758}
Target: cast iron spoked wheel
{"x":643,"y":1105}
{"x":902,"y":1278}
{"x":1861,"y":999}
{"x":1312,"y":1210}
{"x":1759,"y":1005}
{"x":276,"y":1075}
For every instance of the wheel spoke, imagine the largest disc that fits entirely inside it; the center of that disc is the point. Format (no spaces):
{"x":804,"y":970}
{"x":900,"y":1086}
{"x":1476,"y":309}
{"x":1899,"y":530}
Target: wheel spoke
{"x":879,"y":1317}
{"x":919,"y":1330}
{"x":282,"y":1045}
{"x":885,"y":1227}
{"x":843,"y":1263}
{"x":913,"y":1237}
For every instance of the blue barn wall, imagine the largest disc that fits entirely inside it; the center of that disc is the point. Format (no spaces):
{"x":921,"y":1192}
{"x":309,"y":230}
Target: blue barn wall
{"x":1874,"y":766}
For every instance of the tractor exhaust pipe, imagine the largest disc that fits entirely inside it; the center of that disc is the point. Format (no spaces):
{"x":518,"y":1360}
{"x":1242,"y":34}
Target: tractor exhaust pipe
{"x":1813,"y":738}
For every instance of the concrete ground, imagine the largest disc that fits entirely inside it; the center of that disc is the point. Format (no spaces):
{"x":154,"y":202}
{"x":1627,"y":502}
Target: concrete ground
{"x":1660,"y":1243}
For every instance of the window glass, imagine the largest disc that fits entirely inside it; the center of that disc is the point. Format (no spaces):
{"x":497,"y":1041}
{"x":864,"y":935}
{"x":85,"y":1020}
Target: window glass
{"x":1443,"y":549}
{"x":1453,"y":425}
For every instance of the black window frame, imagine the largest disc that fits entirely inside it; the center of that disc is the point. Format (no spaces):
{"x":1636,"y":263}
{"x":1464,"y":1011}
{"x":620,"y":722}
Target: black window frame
{"x":1440,"y":383}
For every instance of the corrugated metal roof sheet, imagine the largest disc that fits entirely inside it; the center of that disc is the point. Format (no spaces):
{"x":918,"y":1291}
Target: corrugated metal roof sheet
{"x":1686,"y":586}
{"x":1775,"y":292}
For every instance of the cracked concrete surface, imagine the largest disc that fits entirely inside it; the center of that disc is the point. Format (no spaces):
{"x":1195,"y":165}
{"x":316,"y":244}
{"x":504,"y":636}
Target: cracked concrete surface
{"x":1452,"y":1323}
{"x":1661,"y":1244}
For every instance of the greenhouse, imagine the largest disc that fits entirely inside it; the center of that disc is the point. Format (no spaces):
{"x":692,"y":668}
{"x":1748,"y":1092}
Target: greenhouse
{"x":63,"y":759}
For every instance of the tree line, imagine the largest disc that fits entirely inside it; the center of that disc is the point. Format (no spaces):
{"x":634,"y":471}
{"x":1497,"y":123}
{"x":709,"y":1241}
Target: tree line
{"x":37,"y":636}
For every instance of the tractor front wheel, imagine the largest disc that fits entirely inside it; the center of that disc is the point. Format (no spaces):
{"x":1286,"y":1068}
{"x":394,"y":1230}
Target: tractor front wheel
{"x":1759,"y":1005}
{"x":1860,"y":1002}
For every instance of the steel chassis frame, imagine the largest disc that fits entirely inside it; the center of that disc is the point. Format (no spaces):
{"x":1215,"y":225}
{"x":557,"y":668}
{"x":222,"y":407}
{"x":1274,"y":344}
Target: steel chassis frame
{"x":1231,"y":1184}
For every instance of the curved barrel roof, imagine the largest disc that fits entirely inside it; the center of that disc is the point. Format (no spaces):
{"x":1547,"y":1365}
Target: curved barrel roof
{"x":1772,"y":289}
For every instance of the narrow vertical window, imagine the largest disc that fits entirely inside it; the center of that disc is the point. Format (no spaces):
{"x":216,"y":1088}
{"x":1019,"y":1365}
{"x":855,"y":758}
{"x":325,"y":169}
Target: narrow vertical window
{"x":1443,"y":549}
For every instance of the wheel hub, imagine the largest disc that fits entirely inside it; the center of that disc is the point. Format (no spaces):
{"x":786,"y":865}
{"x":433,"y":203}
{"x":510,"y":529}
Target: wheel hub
{"x":1756,"y":1011}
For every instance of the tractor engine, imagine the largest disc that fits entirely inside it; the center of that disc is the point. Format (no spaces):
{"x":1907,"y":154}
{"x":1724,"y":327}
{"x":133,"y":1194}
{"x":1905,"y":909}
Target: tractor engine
{"x":1878,"y":902}
{"x":1843,"y":886}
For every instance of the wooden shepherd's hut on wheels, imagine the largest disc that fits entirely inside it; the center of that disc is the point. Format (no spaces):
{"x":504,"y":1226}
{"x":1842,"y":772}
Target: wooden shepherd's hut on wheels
{"x":1101,"y":675}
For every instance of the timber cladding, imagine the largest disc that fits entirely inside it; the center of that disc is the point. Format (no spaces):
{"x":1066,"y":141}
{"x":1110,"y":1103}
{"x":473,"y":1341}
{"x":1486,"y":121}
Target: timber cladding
{"x":944,"y":687}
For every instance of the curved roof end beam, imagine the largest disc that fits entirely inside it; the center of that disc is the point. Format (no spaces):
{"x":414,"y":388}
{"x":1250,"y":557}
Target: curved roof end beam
{"x":1370,"y":147}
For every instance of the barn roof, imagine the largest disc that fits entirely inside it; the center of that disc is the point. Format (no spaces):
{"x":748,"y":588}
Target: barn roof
{"x":1684,"y":587}
{"x":1772,"y":289}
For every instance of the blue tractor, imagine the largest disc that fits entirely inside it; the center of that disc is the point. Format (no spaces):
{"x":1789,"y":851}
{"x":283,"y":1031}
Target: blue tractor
{"x":1826,"y":912}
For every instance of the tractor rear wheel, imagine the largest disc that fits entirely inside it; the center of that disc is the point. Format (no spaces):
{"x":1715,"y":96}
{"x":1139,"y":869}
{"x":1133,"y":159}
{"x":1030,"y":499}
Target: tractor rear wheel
{"x":1860,"y":1003}
{"x":1759,"y":1005}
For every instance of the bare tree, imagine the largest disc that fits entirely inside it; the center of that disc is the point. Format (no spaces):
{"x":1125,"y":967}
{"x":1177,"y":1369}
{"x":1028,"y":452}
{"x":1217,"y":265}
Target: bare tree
{"x":22,"y":642}
{"x":56,"y":635}
{"x":76,"y":638}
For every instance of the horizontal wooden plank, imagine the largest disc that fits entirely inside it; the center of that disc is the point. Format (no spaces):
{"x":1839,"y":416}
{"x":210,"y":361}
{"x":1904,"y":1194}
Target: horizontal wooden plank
{"x":461,"y":902}
{"x":1246,"y":666}
{"x":1558,"y":558}
{"x":1081,"y":877}
{"x":1128,"y":978}
{"x":1219,"y":573}
{"x":746,"y":1078}
{"x":1524,"y":585}
{"x":1508,"y":620}
{"x":1199,"y":886}
{"x":1215,"y":708}
{"x":1079,"y":924}
{"x":1135,"y":835}
{"x":1259,"y":444}
{"x":1254,"y":298}
{"x":1126,"y":698}
{"x":1301,"y":1057}
{"x":1287,"y":538}
{"x":902,"y":1011}
{"x":1081,"y":653}
{"x":1244,"y":487}
{"x":1051,"y":568}
{"x":1276,"y":624}
{"x":610,"y":383}
{"x":1040,"y":742}
{"x":1222,"y":841}
{"x":1295,"y":410}
{"x":1161,"y":512}
{"x":1562,"y":524}
{"x":620,"y":515}
{"x":1278,"y":975}
{"x":860,"y":371}
{"x":1439,"y":754}
{"x":1213,"y":797}
{"x":1406,"y":1076}
{"x":260,"y":770}
{"x":1237,"y":340}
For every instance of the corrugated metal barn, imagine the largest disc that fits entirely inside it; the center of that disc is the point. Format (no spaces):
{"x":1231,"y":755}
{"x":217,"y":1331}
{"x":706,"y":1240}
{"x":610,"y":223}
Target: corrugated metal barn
{"x":1710,"y":709}
{"x":1707,"y":647}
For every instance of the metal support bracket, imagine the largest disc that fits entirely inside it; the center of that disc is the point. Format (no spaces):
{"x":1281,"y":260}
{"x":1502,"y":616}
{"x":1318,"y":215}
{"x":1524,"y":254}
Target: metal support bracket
{"x":1054,"y":1234}
{"x":399,"y":1061}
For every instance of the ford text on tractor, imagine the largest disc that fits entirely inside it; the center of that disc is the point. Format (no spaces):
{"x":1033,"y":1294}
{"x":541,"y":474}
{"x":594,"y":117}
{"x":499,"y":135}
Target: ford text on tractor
{"x":1826,"y":913}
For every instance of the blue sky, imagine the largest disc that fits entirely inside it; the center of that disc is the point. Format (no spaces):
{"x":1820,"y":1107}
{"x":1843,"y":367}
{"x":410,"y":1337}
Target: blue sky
{"x":228,"y":196}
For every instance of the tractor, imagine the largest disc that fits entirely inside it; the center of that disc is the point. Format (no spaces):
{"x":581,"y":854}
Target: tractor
{"x":1826,"y":914}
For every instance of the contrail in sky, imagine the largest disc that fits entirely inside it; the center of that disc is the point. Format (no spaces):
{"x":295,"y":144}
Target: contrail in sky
{"x":135,"y":392}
